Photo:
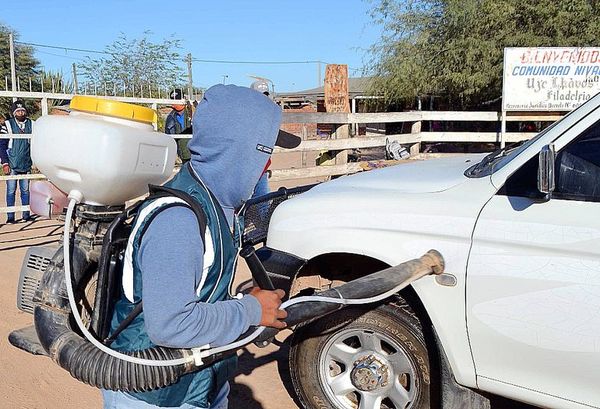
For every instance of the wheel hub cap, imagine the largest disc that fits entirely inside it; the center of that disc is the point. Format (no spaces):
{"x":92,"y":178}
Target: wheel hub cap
{"x":370,"y":373}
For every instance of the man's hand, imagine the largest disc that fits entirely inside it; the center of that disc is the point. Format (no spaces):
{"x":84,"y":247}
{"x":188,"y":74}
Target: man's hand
{"x":6,"y":168}
{"x":270,"y":302}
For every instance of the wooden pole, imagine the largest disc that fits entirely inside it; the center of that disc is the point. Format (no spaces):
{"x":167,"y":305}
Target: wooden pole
{"x":415,"y":129}
{"x":354,"y":124}
{"x":319,"y":82}
{"x":337,"y":100}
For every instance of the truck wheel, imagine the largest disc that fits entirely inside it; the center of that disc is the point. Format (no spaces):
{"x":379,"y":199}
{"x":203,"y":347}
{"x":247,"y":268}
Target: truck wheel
{"x":362,"y":358}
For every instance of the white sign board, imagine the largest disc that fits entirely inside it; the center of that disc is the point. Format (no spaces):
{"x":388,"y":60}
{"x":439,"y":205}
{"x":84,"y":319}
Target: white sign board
{"x":549,"y":78}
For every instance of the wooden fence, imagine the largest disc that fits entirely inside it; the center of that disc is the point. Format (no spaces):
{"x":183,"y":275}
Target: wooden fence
{"x":414,"y":139}
{"x":339,"y":142}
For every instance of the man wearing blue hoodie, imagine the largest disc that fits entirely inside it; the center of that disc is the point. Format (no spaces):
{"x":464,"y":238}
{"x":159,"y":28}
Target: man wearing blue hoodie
{"x":185,"y":278}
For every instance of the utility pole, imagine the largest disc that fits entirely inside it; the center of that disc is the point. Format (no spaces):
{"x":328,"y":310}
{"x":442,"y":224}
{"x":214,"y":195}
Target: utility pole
{"x":319,"y":82}
{"x":190,"y":83}
{"x":13,"y":72}
{"x":75,"y":85}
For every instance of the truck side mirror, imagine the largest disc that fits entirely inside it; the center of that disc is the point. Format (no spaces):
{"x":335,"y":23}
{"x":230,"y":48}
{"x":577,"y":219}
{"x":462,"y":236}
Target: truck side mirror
{"x":545,"y":178}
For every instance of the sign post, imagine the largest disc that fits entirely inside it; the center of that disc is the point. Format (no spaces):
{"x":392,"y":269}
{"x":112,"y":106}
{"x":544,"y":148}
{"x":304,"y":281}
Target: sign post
{"x":336,"y":88}
{"x":337,"y":100}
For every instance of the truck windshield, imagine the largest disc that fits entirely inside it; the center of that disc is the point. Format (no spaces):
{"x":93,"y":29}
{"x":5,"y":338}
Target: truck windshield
{"x":499,"y":158}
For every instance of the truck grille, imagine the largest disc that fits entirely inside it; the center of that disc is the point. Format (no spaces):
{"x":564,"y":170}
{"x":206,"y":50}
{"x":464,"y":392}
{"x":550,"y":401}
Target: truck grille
{"x":258,"y":211}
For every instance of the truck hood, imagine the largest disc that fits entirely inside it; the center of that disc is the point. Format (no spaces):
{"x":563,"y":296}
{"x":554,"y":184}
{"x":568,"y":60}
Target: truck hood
{"x":427,"y":176}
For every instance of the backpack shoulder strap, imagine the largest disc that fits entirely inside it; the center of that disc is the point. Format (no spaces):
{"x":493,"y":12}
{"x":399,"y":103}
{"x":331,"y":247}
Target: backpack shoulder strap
{"x":155,"y":193}
{"x":163,"y":191}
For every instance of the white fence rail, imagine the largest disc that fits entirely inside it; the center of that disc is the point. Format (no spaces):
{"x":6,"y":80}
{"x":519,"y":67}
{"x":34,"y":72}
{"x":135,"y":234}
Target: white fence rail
{"x":337,"y":145}
{"x":65,"y":96}
{"x":44,"y":97}
{"x":414,"y":139}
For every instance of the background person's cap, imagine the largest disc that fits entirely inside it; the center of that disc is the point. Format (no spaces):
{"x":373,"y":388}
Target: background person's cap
{"x":176,"y":94}
{"x":15,"y":106}
{"x":260,"y":86}
{"x":287,"y":140}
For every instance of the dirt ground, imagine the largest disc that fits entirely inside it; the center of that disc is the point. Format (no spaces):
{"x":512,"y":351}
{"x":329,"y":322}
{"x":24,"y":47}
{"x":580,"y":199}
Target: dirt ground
{"x":33,"y":382}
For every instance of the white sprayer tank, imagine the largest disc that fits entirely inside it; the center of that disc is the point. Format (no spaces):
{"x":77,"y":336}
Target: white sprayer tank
{"x":106,"y":150}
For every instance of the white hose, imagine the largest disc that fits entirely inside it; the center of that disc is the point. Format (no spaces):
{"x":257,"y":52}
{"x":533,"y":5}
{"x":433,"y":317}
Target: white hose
{"x":75,"y":197}
{"x":312,"y":298}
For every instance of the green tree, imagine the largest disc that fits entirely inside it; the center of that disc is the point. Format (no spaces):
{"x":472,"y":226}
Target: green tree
{"x":134,"y":65}
{"x":26,"y":64}
{"x":53,"y":81}
{"x":454,"y":48}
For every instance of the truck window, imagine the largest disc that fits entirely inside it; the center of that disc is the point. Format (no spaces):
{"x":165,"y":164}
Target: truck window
{"x":577,"y":171}
{"x":578,"y":168}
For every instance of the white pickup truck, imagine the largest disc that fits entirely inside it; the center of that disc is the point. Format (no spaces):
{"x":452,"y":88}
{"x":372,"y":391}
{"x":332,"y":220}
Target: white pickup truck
{"x":517,"y":311}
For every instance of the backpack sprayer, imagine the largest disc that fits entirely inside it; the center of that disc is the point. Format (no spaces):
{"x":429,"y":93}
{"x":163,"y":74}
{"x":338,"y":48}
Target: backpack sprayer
{"x":73,"y":302}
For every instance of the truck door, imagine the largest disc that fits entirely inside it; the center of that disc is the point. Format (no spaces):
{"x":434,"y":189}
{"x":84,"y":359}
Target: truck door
{"x":533,"y":283}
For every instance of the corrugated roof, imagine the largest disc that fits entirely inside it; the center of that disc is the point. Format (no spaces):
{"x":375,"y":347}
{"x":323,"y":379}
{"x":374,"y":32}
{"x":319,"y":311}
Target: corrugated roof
{"x":356,"y":86}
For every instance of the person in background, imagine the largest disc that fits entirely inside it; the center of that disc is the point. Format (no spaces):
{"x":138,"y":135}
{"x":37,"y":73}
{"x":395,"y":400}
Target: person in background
{"x":262,"y":187}
{"x":178,"y":122}
{"x":261,"y":86}
{"x":15,"y":155}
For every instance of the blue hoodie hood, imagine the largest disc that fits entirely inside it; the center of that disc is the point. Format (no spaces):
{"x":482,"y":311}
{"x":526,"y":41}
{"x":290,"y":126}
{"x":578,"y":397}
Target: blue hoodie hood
{"x":235,"y":129}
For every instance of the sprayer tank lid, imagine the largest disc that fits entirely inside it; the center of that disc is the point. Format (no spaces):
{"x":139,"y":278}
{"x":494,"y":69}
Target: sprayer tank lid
{"x":112,"y":108}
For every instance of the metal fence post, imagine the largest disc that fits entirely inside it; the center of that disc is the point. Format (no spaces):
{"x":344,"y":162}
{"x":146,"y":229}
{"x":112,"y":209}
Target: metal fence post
{"x":44,"y":104}
{"x":13,"y":72}
{"x":190,"y":83}
{"x":75,"y":85}
{"x":155,"y":109}
{"x":503,"y":129}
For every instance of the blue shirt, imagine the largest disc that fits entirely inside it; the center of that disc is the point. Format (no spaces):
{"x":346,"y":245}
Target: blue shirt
{"x":181,"y":119}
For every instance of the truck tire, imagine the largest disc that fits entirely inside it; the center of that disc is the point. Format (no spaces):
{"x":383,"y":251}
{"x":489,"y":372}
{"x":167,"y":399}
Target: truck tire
{"x":362,"y":358}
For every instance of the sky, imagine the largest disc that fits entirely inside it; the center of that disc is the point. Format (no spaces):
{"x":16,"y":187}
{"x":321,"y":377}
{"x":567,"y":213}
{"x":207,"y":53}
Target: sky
{"x":332,"y":31}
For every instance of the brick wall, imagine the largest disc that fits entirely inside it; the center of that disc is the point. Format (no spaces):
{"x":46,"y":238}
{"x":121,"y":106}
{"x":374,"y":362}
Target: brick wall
{"x":296,"y":129}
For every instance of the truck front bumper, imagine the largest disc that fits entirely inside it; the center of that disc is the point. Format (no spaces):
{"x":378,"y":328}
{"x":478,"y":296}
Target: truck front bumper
{"x":281,"y":267}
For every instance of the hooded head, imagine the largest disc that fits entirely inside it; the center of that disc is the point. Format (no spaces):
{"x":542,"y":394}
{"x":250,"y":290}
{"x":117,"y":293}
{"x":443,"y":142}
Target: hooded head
{"x":235,"y":129}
